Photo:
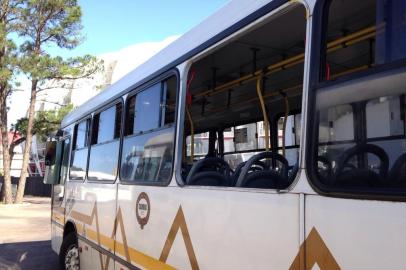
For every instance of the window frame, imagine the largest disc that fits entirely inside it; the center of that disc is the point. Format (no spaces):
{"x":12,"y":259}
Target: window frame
{"x":67,"y":176}
{"x":73,"y":147}
{"x":107,"y":106}
{"x":316,"y":83}
{"x":159,"y":79}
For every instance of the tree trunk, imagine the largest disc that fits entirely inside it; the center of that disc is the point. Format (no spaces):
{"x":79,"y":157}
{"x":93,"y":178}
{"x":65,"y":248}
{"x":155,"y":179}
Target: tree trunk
{"x":6,"y":195}
{"x":28,"y":142}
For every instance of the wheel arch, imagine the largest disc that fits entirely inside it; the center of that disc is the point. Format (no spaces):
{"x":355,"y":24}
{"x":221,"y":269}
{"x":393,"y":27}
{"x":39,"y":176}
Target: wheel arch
{"x":69,"y":228}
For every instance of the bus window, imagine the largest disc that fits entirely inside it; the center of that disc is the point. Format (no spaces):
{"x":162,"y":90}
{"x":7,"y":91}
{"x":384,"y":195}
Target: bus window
{"x":147,"y":109}
{"x":238,"y":98}
{"x":242,"y":142}
{"x":147,"y":155}
{"x":200,"y":145}
{"x":246,"y":137}
{"x":362,"y":34}
{"x":170,"y":101}
{"x":80,"y":150}
{"x":360,"y":144}
{"x":103,"y":158}
{"x":65,"y":160}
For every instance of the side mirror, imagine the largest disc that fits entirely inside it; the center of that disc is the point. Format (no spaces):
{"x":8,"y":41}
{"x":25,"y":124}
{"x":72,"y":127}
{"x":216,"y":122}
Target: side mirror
{"x":50,"y":153}
{"x":53,"y":159}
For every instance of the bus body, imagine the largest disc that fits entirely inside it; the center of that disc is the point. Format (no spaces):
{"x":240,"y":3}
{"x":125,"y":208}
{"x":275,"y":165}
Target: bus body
{"x":270,"y":136}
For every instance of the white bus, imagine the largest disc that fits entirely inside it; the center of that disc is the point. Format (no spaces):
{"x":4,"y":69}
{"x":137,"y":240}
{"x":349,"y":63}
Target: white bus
{"x":270,"y":136}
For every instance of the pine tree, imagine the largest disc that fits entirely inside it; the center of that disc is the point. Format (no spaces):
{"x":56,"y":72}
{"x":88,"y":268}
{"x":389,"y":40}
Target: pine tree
{"x":9,"y":13}
{"x":47,"y":23}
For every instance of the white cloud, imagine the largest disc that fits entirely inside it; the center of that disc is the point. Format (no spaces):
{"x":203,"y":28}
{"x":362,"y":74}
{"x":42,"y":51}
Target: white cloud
{"x":131,"y":57}
{"x":126,"y":60}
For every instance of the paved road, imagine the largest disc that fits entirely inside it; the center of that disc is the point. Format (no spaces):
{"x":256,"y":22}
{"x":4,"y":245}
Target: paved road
{"x":35,"y":255}
{"x":25,"y":234}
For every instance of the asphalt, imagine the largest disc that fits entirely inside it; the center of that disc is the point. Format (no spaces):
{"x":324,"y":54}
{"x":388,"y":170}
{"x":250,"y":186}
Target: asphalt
{"x":25,"y":234}
{"x":36,"y":255}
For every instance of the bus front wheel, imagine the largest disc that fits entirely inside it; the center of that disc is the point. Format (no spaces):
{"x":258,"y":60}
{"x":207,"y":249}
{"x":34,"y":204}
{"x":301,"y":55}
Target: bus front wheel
{"x":69,"y":255}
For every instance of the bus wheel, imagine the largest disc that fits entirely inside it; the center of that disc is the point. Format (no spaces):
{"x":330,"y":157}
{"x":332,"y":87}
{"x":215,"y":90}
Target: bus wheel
{"x":69,"y":255}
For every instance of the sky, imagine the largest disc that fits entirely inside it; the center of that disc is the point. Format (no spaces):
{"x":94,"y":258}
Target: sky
{"x":110,"y":26}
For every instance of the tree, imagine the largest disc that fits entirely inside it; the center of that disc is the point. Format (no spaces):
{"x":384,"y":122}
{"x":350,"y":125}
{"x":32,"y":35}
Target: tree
{"x":47,"y":23}
{"x":9,"y":12}
{"x":45,"y":123}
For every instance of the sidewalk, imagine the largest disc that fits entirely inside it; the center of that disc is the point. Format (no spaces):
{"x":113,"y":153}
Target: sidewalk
{"x":30,"y":221}
{"x":25,"y":233}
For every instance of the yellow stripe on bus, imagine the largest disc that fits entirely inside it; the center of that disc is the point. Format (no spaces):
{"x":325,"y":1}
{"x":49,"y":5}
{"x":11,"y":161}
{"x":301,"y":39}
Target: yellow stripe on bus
{"x":60,"y":219}
{"x":136,"y":256}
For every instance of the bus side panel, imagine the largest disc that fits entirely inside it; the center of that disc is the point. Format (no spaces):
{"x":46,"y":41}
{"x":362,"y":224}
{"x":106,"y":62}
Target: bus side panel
{"x":359,"y":234}
{"x":205,"y":228}
{"x":92,"y":206}
{"x":56,"y":237}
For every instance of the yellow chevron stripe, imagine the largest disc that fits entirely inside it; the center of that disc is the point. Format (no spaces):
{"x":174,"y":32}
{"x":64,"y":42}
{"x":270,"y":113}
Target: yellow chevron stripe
{"x":136,"y":256}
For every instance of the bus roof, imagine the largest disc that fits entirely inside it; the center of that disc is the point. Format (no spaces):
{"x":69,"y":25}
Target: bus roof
{"x":211,"y":30}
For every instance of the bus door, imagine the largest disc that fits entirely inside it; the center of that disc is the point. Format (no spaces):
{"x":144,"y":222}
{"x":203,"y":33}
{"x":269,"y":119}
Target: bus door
{"x":57,"y":163}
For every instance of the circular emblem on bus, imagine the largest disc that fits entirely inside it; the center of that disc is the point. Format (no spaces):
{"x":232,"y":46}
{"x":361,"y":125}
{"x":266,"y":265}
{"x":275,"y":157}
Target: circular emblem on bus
{"x":143,"y":209}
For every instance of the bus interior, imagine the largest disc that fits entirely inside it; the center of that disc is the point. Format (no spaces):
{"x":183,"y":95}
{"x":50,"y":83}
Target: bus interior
{"x":243,"y":108}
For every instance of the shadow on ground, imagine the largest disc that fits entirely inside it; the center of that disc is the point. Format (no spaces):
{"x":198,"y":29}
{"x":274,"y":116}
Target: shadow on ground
{"x":36,"y":255}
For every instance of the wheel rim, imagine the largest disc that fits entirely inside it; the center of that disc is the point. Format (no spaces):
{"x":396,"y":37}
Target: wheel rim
{"x":72,"y":258}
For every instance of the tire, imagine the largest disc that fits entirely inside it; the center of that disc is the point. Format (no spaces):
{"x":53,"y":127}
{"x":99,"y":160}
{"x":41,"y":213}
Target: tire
{"x":69,"y":248}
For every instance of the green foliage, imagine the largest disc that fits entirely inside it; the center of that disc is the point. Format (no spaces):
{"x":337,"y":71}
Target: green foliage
{"x":45,"y":123}
{"x":10,"y":10}
{"x":53,"y":22}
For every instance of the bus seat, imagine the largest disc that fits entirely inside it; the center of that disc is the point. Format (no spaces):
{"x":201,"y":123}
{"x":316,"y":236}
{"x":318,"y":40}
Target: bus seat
{"x":325,"y":171}
{"x":257,"y":166}
{"x":397,"y":175}
{"x":212,"y":171}
{"x":269,"y":178}
{"x":361,"y":177}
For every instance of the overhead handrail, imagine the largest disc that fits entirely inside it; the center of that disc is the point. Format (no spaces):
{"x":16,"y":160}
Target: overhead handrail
{"x":264,"y":114}
{"x":337,"y":44}
{"x":287,"y":90}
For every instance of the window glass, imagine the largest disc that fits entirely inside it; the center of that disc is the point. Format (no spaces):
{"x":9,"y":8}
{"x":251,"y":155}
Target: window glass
{"x":336,"y":124}
{"x":261,"y":135}
{"x":148,"y":157}
{"x":82,"y":132}
{"x":103,"y":161}
{"x":78,"y":164}
{"x":245,"y":137}
{"x":147,"y":109}
{"x":170,"y":100}
{"x":361,"y":144}
{"x":291,"y":136}
{"x":228,"y":135}
{"x":362,"y":34}
{"x":130,"y":116}
{"x":65,"y":160}
{"x":80,"y":152}
{"x":385,"y":110}
{"x":118,"y":118}
{"x":298,"y":127}
{"x":105,"y":129}
{"x":201,"y":144}
{"x":103,"y":157}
